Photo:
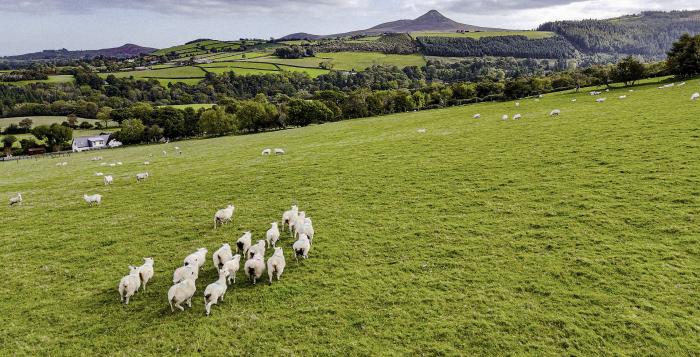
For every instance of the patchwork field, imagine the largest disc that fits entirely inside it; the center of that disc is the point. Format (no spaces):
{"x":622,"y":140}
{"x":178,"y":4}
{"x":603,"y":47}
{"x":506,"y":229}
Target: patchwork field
{"x":358,"y":61}
{"x":478,"y":35}
{"x":572,"y":235}
{"x":60,"y":78}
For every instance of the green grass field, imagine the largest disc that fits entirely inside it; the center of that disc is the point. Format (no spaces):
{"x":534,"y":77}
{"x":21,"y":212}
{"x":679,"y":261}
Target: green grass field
{"x":48,"y":120}
{"x":478,"y":35}
{"x":193,"y":106}
{"x":60,"y":78}
{"x":573,"y":235}
{"x":358,"y":61}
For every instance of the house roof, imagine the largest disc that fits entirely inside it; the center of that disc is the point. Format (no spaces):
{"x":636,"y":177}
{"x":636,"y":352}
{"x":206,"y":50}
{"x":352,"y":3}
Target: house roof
{"x":83,"y":141}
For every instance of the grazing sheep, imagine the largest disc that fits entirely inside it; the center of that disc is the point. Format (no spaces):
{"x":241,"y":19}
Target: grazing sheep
{"x":112,"y":165}
{"x":540,"y":96}
{"x":141,"y":177}
{"x":517,"y":116}
{"x":176,"y":148}
{"x":185,"y":271}
{"x":537,"y":100}
{"x":622,"y":97}
{"x":182,"y":292}
{"x":517,"y":104}
{"x":275,"y":265}
{"x":254,"y":267}
{"x":196,"y":259}
{"x":99,"y":174}
{"x":272,"y":235}
{"x":17,"y":200}
{"x":129,"y":285}
{"x":257,"y":248}
{"x":244,"y":242}
{"x":600,"y":100}
{"x":221,"y":256}
{"x":555,"y":112}
{"x":119,"y":163}
{"x":573,"y":100}
{"x":108,"y":180}
{"x":146,"y":271}
{"x":301,"y":247}
{"x":298,"y":223}
{"x":232,"y":267}
{"x":267,"y":152}
{"x":422,"y":131}
{"x":607,"y":90}
{"x":224,"y":215}
{"x":695,"y":97}
{"x":288,"y":217}
{"x":504,"y":117}
{"x":477,"y":116}
{"x":146,"y":162}
{"x":681,"y":84}
{"x":64,"y":164}
{"x":595,"y":93}
{"x":165,"y":153}
{"x":308,"y":229}
{"x":93,"y":199}
{"x":631,"y":90}
{"x":279,"y":151}
{"x":215,"y":291}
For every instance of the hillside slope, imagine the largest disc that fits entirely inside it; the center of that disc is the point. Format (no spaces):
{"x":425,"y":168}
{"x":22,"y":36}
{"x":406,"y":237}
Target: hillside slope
{"x":125,"y":51}
{"x":574,"y":235}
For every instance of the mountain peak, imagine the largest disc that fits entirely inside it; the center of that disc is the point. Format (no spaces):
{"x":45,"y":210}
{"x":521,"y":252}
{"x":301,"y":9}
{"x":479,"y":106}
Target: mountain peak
{"x":434,"y":14}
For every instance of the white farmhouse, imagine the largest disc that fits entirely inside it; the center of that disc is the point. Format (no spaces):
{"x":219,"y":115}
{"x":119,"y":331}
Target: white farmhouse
{"x":97,"y":142}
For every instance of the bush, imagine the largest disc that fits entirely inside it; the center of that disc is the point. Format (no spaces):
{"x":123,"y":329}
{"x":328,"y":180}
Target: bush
{"x":86,"y":125}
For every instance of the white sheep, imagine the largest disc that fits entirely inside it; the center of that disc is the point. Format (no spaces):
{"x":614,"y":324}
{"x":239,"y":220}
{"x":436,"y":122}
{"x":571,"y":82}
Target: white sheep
{"x":254,"y":267}
{"x":517,"y":116}
{"x":176,"y":148}
{"x":112,"y":165}
{"x":298,"y":223}
{"x":244,"y":242}
{"x":504,"y":117}
{"x":146,"y":162}
{"x":215,"y":291}
{"x":275,"y":265}
{"x":99,"y":174}
{"x":165,"y":153}
{"x":141,"y":177}
{"x":95,"y":199}
{"x":695,"y":97}
{"x":308,"y":229}
{"x":301,"y":247}
{"x":129,"y":285}
{"x":224,"y":215}
{"x":422,"y":131}
{"x":600,"y":100}
{"x":573,"y":100}
{"x":108,"y":180}
{"x":64,"y":164}
{"x":272,"y":235}
{"x":622,"y":97}
{"x":477,"y":116}
{"x":540,"y":96}
{"x":266,"y":152}
{"x":681,"y":84}
{"x":146,"y":271}
{"x":119,"y":163}
{"x":103,"y":164}
{"x":184,"y":271}
{"x":196,"y":259}
{"x":16,"y":200}
{"x":232,"y":266}
{"x":288,"y":217}
{"x":537,"y":100}
{"x":221,"y":256}
{"x":517,"y":104}
{"x":257,"y":248}
{"x":555,"y":112}
{"x":279,"y":151}
{"x":182,"y":292}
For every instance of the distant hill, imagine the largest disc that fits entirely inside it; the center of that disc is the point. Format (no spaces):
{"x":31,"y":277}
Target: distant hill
{"x":128,"y":50}
{"x":432,"y":21}
{"x":649,"y":34}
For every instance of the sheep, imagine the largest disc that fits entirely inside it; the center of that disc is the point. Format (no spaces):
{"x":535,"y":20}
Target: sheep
{"x":165,"y":153}
{"x":176,"y":148}
{"x":308,"y":229}
{"x":504,"y":117}
{"x":595,"y":93}
{"x":288,"y":216}
{"x":141,"y":177}
{"x":146,"y":271}
{"x":540,"y":96}
{"x":517,"y":104}
{"x":17,"y":200}
{"x":257,"y":248}
{"x":146,"y":162}
{"x":103,"y":164}
{"x":215,"y":291}
{"x":221,"y":256}
{"x":301,"y":247}
{"x":517,"y":116}
{"x":244,"y":242}
{"x":196,"y":259}
{"x":631,"y":90}
{"x":622,"y":97}
{"x":112,"y":165}
{"x":607,"y":90}
{"x":422,"y":131}
{"x":477,"y":116}
{"x":64,"y":164}
{"x":108,"y":180}
{"x":99,"y":174}
{"x":272,"y":235}
{"x":224,"y":215}
{"x":573,"y":100}
{"x":184,"y":271}
{"x":600,"y":100}
{"x":267,"y":152}
{"x":695,"y":97}
{"x":681,"y":84}
{"x":232,"y":266}
{"x":97,"y":158}
{"x":254,"y":267}
{"x":298,"y":223}
{"x":129,"y":285}
{"x":537,"y":100}
{"x":182,"y":292}
{"x":119,"y":163}
{"x":555,"y":112}
{"x":279,"y":151}
{"x":95,"y":199}
{"x":275,"y":265}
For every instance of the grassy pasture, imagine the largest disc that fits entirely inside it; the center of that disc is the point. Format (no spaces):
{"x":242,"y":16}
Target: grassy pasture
{"x":59,"y":78}
{"x":477,"y":35}
{"x":574,"y":235}
{"x":358,"y":61}
{"x":48,"y":120}
{"x":193,"y":106}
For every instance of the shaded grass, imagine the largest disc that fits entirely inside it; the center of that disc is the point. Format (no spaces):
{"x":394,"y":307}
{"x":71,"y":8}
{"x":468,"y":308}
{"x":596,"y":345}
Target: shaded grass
{"x":574,"y":235}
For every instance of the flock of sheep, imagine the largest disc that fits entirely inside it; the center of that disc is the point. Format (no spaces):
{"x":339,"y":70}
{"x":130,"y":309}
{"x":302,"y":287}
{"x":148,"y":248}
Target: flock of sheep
{"x":225,"y":262}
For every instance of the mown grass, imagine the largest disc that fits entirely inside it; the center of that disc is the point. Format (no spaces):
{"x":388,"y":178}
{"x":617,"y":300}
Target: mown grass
{"x":575,"y":235}
{"x":478,"y":35}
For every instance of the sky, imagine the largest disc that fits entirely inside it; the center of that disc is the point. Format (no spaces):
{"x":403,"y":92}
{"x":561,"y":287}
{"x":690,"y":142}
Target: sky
{"x":34,"y":25}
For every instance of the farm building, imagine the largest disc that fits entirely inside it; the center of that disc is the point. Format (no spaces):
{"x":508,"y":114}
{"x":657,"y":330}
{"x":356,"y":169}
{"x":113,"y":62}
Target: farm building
{"x":84,"y":143}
